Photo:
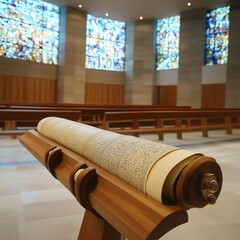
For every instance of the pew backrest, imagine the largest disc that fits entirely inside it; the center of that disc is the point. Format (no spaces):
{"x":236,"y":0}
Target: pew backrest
{"x":36,"y":115}
{"x":9,"y":118}
{"x":190,"y":119}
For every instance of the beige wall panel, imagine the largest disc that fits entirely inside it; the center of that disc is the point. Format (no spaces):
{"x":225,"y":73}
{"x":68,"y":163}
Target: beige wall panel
{"x":15,"y":67}
{"x":129,"y":61}
{"x":233,"y":67}
{"x":105,"y":77}
{"x":192,"y":45}
{"x":214,"y":74}
{"x":167,"y":77}
{"x":71,"y":68}
{"x":140,"y":73}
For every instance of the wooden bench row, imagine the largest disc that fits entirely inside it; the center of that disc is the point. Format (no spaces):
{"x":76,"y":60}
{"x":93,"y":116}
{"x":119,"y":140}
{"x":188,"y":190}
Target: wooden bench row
{"x":139,"y":122}
{"x":82,"y":106}
{"x":11,"y":118}
{"x":133,"y":122}
{"x":90,"y":114}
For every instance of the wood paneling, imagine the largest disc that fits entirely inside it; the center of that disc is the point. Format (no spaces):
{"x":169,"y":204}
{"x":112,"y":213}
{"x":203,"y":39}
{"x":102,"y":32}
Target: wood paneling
{"x":26,"y":89}
{"x":104,"y":93}
{"x":213,"y":95}
{"x":167,"y":96}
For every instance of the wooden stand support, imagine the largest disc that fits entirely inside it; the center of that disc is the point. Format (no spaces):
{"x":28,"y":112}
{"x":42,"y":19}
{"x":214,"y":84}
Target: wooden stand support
{"x":113,"y":207}
{"x":96,"y":228}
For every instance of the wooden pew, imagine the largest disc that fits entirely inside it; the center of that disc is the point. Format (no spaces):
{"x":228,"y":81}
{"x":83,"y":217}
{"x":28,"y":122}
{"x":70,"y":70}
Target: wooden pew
{"x":91,"y":113}
{"x":83,"y":105}
{"x":29,"y":116}
{"x":41,"y":107}
{"x":95,"y":116}
{"x":184,"y":120}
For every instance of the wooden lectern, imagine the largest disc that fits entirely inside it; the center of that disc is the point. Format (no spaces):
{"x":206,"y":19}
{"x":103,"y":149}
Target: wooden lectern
{"x":113,"y":207}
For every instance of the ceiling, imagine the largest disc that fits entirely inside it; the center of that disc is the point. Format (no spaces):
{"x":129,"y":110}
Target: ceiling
{"x":131,"y":10}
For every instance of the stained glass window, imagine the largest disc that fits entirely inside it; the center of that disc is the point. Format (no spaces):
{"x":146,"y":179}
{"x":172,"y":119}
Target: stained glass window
{"x":167,"y":43}
{"x":29,"y":30}
{"x":217,"y":36}
{"x":105,"y":44}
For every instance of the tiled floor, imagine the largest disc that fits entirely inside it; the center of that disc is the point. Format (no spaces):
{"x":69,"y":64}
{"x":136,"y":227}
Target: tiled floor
{"x":33,"y":205}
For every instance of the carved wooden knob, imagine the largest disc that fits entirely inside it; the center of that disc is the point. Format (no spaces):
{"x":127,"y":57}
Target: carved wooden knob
{"x":199,"y":183}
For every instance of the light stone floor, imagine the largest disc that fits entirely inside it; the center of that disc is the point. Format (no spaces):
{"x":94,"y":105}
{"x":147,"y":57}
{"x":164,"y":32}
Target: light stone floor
{"x":34,"y":206}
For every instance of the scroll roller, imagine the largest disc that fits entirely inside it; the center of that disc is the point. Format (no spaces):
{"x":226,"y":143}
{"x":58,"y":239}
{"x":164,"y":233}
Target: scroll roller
{"x":165,"y":173}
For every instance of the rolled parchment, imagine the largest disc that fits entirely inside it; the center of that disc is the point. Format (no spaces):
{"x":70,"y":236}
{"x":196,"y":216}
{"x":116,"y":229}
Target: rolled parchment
{"x":149,"y":166}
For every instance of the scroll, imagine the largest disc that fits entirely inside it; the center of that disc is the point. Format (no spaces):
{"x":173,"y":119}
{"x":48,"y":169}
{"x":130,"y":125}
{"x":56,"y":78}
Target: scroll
{"x":165,"y":175}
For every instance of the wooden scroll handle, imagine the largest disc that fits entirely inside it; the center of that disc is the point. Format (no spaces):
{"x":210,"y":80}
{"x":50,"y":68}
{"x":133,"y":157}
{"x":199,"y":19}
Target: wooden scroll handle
{"x":53,"y":159}
{"x":199,"y":183}
{"x":74,"y":173}
{"x":85,"y":182}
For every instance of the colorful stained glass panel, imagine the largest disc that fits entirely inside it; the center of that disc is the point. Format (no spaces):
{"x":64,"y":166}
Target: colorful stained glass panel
{"x":105,"y":44}
{"x":29,"y":30}
{"x":217,"y":30}
{"x":167,"y":43}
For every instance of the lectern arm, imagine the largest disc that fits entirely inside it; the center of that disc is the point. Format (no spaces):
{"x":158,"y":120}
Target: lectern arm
{"x":113,"y":207}
{"x":139,"y":189}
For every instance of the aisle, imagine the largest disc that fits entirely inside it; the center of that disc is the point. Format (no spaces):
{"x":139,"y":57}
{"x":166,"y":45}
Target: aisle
{"x":33,"y":205}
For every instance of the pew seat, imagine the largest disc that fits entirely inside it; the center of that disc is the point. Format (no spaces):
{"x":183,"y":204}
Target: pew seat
{"x":173,"y":120}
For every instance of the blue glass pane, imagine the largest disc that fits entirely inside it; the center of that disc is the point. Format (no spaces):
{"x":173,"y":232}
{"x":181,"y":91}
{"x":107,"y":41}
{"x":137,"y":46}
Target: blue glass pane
{"x":167,"y":43}
{"x":105,"y":44}
{"x":29,"y":30}
{"x":217,"y":36}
